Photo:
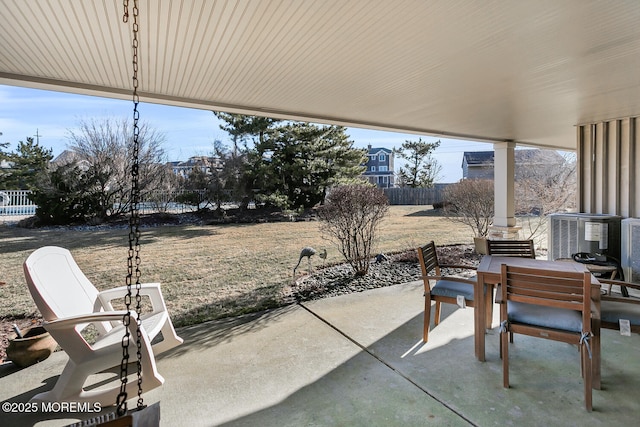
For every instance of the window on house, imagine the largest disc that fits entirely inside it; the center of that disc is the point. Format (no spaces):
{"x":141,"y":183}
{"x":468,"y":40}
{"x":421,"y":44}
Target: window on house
{"x":373,"y":168}
{"x":383,"y":168}
{"x":381,"y":158}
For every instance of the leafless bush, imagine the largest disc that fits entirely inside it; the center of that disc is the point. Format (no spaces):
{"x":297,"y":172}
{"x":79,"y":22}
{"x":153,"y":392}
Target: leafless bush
{"x":350,"y":217}
{"x":471,"y":202}
{"x":104,"y":146}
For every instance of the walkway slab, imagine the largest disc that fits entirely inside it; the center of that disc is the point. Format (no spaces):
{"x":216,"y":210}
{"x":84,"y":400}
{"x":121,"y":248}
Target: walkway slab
{"x":546,"y":385}
{"x":284,"y":367}
{"x":358,"y":360}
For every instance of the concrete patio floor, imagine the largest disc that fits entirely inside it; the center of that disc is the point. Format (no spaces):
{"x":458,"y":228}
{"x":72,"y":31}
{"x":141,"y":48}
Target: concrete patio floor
{"x":358,"y":360}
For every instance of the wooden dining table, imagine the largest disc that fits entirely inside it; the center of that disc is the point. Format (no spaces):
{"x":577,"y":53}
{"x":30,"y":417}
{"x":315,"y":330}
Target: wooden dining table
{"x":489,"y":272}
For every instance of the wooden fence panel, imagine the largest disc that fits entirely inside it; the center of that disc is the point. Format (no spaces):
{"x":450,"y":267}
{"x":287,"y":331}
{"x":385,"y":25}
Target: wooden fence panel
{"x":415,"y":196}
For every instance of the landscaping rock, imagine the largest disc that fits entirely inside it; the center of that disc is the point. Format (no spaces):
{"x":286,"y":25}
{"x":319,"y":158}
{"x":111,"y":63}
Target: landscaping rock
{"x":398,"y":268}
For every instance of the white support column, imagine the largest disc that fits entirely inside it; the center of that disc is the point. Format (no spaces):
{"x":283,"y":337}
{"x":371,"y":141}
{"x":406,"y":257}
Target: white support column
{"x":504,"y":221}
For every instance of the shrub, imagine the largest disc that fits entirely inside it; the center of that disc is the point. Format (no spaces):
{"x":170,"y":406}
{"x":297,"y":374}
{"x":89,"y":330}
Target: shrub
{"x":471,"y":202}
{"x":62,"y":198}
{"x":350,"y":217}
{"x":441,"y":205}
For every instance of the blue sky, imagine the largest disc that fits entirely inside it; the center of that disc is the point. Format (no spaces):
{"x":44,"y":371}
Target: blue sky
{"x":189,"y":132}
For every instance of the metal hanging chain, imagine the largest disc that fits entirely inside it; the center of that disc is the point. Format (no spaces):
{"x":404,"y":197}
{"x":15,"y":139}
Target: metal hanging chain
{"x":133,"y":259}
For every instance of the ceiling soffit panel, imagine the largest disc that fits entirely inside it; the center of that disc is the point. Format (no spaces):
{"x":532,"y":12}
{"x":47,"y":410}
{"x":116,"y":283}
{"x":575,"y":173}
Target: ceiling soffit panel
{"x":525,"y":71}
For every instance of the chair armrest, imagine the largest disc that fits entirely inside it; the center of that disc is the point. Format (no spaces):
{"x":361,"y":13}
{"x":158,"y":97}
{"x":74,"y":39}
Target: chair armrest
{"x":151,"y":290}
{"x":620,"y":283}
{"x":627,"y":300}
{"x":80,"y":319}
{"x":64,"y":331}
{"x":468,"y":267}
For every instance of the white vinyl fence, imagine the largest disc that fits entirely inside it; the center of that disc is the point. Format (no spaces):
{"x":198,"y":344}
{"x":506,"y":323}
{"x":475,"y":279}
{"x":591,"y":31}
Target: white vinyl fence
{"x":15,"y":204}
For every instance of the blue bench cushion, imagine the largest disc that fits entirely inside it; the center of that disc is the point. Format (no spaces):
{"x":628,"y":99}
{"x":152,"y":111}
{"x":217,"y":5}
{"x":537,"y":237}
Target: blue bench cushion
{"x":613,"y":311}
{"x":548,"y":317}
{"x":448,"y":288}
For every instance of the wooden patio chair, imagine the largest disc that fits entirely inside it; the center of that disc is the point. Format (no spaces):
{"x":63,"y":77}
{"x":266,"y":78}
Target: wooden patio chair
{"x":547,"y":304}
{"x":513,"y":248}
{"x":615,"y":306}
{"x":69,"y":303}
{"x":445,"y":289}
{"x":517,"y":248}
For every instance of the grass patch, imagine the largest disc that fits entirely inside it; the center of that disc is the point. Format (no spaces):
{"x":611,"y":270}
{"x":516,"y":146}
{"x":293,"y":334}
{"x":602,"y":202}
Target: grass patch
{"x":206,"y":272}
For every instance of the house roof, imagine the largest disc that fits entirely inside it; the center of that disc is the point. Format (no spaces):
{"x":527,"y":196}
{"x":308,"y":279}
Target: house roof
{"x":526,"y":71}
{"x":67,"y":156}
{"x":378,"y":150}
{"x":473,"y":158}
{"x":479,"y":158}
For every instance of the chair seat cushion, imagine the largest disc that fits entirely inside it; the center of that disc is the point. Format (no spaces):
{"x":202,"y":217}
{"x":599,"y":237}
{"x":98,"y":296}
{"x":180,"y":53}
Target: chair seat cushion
{"x":449,"y":288}
{"x":613,"y":311}
{"x":547,"y":317}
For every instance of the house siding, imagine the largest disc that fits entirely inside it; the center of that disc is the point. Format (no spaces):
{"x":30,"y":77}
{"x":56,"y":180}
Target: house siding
{"x":378,"y":158}
{"x":607,"y":157}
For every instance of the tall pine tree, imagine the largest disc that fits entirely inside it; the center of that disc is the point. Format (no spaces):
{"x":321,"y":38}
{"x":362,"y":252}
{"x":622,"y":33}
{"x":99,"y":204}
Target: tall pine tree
{"x":246,"y":133}
{"x":25,"y":164}
{"x":421,"y":169}
{"x":300,"y":161}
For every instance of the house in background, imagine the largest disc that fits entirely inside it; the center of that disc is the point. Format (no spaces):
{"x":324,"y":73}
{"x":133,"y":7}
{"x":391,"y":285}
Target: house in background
{"x":380,"y":167}
{"x":204,"y":163}
{"x":67,"y":157}
{"x":479,"y":164}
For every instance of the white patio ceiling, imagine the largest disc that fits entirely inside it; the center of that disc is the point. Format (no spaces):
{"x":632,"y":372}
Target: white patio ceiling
{"x":489,"y":70}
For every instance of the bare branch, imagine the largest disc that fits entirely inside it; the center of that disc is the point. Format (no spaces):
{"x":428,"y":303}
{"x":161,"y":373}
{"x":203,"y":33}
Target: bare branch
{"x":350,"y":217}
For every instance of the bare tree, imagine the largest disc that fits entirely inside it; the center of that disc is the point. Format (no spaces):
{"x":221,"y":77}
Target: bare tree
{"x":471,"y":202}
{"x":106,"y":146}
{"x":542,"y":188}
{"x":350,"y":217}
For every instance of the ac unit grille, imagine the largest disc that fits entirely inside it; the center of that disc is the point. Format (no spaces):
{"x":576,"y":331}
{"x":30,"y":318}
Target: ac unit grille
{"x":564,"y":237}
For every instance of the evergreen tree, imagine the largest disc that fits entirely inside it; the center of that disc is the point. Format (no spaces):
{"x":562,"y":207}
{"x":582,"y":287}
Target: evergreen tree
{"x":422,"y":169}
{"x":4,"y":163}
{"x":26,"y":163}
{"x":246,"y":132}
{"x":243,"y":128}
{"x":64,"y":196}
{"x":295,"y":166}
{"x":288,"y":165}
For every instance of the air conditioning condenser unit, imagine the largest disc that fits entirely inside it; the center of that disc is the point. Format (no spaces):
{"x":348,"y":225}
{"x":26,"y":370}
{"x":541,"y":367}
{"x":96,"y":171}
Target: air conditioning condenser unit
{"x":630,"y":253}
{"x":595,"y":234}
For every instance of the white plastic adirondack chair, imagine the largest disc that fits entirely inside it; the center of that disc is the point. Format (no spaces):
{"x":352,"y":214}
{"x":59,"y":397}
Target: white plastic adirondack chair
{"x":69,"y":303}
